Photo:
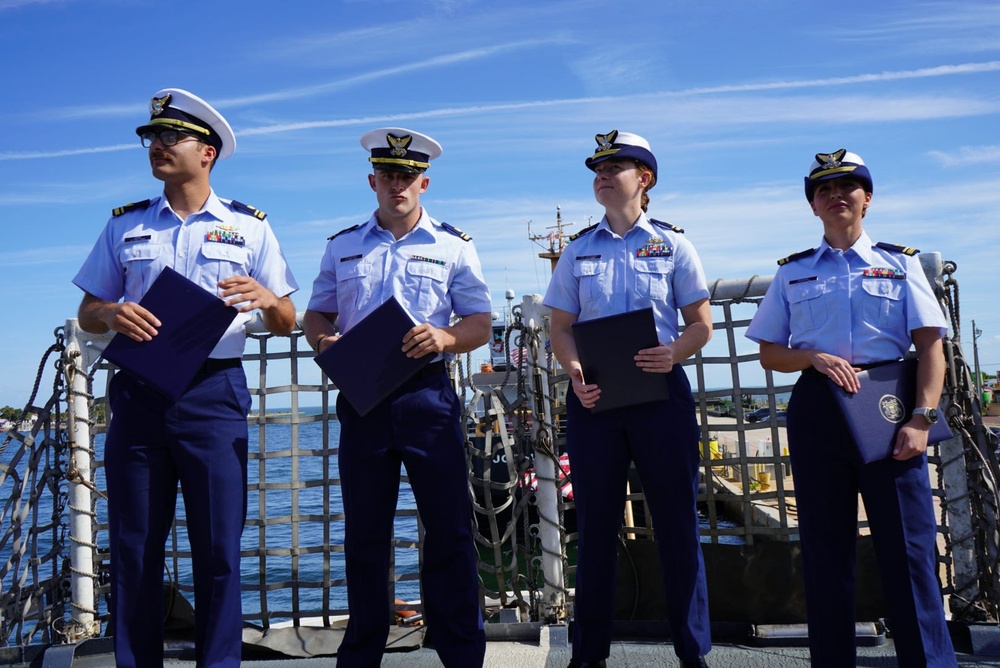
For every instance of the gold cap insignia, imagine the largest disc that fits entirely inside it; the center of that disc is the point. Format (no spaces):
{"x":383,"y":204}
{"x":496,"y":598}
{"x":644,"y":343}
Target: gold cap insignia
{"x":831,"y":160}
{"x":158,"y":104}
{"x":604,"y":142}
{"x":399,"y":144}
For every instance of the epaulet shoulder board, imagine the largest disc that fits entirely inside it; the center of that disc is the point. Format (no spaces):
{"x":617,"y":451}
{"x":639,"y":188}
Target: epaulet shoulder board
{"x":134,"y":206}
{"x":457,"y":232}
{"x":672,"y":228}
{"x":586,"y":230}
{"x":796,"y":256}
{"x":348,"y":229}
{"x":246,"y":208}
{"x":905,"y":250}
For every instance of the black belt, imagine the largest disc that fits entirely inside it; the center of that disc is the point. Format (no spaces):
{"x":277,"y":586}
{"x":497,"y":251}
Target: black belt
{"x":872,"y":365}
{"x":432,"y":369}
{"x":213,"y":364}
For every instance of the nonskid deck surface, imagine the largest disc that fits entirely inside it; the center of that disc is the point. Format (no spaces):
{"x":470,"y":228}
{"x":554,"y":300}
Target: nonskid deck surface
{"x":550,"y":649}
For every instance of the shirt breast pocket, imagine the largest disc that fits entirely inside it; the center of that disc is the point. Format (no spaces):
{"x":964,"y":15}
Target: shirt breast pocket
{"x":807,"y":306}
{"x":426,"y":286}
{"x":141,"y":263}
{"x":221,"y":261}
{"x":592,"y":275}
{"x":354,"y":285}
{"x":883,"y":301}
{"x":652,"y":278}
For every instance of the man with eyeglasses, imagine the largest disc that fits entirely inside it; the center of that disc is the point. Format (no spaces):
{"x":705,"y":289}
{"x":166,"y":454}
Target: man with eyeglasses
{"x":200,"y":440}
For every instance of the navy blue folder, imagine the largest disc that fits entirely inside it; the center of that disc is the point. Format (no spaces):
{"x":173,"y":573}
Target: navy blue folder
{"x":883,"y":405}
{"x":367,"y":363}
{"x":607,"y":347}
{"x":192,"y":320}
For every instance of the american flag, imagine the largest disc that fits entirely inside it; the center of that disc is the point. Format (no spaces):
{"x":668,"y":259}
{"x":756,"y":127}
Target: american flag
{"x":516,"y":356}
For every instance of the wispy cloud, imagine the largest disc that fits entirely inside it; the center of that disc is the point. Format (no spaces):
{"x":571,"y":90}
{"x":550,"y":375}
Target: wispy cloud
{"x":702,"y":109}
{"x":922,"y":73}
{"x":48,"y":255}
{"x":968,"y":155}
{"x":437,"y":62}
{"x":35,"y":155}
{"x":17,"y":4}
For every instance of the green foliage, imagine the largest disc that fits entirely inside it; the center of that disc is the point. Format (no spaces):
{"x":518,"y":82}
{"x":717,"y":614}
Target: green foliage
{"x":11,"y":414}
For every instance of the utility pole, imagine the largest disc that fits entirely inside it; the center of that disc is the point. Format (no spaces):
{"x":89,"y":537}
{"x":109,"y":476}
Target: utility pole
{"x":976,"y":333}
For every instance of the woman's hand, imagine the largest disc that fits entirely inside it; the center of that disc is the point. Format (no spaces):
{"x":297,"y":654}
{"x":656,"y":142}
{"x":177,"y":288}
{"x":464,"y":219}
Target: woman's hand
{"x":839,"y":370}
{"x":656,"y":360}
{"x":587,"y":394}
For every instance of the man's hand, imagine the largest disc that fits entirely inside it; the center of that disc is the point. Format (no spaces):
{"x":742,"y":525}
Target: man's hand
{"x":248,"y":293}
{"x":426,"y":339}
{"x":325,"y":341}
{"x":131,"y":320}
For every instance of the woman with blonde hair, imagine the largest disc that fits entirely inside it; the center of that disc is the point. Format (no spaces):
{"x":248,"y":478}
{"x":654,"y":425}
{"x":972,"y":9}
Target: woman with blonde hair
{"x":625,"y":263}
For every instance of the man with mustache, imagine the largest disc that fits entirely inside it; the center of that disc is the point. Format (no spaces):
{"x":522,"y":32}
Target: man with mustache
{"x":200,"y":439}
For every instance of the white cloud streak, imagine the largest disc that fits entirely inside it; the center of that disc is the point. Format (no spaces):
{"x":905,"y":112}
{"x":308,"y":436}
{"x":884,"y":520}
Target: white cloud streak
{"x":968,"y":155}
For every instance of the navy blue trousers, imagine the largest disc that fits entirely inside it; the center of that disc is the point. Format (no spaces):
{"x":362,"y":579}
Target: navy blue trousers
{"x":661,"y":438}
{"x":418,"y":426}
{"x":152,"y":444}
{"x":828,"y":475}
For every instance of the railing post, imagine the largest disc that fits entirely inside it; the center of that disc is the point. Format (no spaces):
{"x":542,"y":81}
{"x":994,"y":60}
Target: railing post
{"x":81,"y":518}
{"x":547,"y":496}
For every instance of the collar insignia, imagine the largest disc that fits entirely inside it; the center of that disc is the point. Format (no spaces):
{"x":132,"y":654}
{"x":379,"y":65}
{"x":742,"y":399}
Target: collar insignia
{"x":399,"y":144}
{"x":158,"y":104}
{"x":604,"y":142}
{"x":831,"y":160}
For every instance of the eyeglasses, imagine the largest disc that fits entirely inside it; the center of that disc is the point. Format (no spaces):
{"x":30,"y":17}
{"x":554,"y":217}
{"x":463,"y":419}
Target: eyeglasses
{"x":166,"y":137}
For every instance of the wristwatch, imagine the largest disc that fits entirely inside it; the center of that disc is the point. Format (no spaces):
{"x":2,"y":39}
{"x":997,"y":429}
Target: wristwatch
{"x":930,"y":414}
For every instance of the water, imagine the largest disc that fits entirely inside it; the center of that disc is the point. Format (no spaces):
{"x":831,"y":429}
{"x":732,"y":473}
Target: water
{"x":317,"y":529}
{"x":314,"y":512}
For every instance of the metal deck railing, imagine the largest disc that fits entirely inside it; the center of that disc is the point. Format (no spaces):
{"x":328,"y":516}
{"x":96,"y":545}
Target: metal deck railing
{"x":53,"y":532}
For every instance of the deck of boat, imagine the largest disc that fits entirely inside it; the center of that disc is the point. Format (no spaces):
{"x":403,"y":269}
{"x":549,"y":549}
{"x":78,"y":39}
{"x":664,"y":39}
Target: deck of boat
{"x":540,"y":655}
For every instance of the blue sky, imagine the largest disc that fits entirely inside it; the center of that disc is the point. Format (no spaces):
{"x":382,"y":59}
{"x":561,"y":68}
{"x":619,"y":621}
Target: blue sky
{"x":735,"y":99}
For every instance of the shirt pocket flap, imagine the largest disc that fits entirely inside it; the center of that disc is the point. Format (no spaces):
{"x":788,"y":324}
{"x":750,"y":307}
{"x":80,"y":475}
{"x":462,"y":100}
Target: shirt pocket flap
{"x":133,"y":252}
{"x":227,"y":252}
{"x":885,"y":288}
{"x":801,"y":292}
{"x":658,"y":265}
{"x":589,"y":268}
{"x":429,"y":270}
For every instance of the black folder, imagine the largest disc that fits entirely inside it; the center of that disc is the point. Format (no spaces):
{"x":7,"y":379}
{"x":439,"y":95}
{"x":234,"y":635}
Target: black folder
{"x":607,"y":347}
{"x":367,"y":363}
{"x":884,"y":404}
{"x":192,"y":320}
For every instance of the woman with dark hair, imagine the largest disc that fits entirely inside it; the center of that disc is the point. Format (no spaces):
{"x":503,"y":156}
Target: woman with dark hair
{"x":831,"y":312}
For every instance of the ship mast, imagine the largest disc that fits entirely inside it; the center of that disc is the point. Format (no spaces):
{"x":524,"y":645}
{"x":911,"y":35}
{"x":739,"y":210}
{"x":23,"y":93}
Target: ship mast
{"x":556,"y":240}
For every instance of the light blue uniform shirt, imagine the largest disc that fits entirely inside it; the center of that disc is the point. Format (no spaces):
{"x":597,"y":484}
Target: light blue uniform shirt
{"x":860,"y":304}
{"x":431,"y":271}
{"x":600,"y":273}
{"x":214,"y":243}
